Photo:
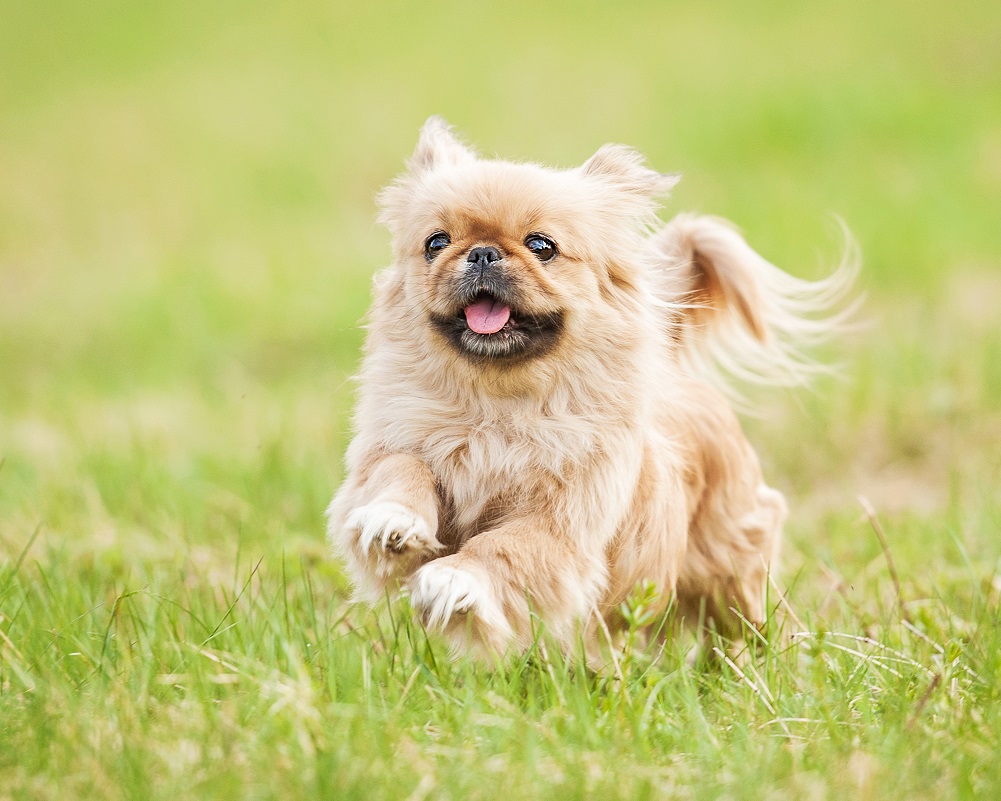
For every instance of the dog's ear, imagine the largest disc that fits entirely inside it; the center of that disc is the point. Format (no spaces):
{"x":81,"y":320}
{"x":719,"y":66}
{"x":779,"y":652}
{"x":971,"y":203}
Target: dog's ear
{"x":626,"y":169}
{"x":438,"y":146}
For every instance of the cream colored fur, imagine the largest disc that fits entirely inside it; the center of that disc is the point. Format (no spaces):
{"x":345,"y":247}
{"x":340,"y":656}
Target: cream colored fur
{"x":494,"y":490}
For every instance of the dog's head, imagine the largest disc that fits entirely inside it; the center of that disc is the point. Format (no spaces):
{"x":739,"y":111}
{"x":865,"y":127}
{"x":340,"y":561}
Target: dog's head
{"x":506,"y":263}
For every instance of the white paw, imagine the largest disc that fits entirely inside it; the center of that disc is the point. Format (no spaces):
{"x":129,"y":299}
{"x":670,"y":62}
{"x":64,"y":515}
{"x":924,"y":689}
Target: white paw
{"x":439,"y":591}
{"x":391,"y":526}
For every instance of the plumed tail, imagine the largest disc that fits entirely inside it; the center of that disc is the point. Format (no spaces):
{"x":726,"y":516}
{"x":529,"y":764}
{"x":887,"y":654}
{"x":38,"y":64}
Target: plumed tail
{"x":735,"y":311}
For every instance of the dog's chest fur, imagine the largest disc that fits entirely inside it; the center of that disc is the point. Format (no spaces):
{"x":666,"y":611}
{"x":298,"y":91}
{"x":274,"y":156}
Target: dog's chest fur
{"x":496,"y":458}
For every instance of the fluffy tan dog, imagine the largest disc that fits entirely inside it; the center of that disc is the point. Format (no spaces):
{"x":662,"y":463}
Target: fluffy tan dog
{"x":532,"y":433}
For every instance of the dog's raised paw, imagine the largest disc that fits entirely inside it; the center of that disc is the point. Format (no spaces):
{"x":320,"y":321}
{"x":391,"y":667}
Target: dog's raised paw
{"x":391,"y":526}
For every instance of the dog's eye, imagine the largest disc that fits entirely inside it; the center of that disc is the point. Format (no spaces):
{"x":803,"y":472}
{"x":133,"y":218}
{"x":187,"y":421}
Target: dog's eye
{"x":435,"y":244}
{"x":542,"y":247}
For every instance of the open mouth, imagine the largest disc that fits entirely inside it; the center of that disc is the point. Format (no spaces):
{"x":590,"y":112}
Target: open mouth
{"x":489,"y":328}
{"x":488,"y":316}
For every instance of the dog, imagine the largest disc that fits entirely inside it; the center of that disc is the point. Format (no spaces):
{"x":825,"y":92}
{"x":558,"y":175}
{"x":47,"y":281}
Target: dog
{"x":537,"y":430}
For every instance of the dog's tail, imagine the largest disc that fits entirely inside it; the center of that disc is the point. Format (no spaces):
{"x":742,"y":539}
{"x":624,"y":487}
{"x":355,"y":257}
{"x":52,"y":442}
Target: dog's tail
{"x":736,"y":311}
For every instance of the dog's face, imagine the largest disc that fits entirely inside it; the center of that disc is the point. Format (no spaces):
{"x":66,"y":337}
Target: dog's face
{"x":502,"y":263}
{"x":492,"y":280}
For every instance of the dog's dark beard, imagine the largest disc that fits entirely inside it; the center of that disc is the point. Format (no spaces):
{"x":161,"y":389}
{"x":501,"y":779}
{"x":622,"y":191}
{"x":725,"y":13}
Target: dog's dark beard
{"x":524,"y":336}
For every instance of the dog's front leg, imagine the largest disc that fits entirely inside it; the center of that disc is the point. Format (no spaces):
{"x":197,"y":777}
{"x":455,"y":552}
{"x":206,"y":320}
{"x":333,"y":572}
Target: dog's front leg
{"x":385,"y":520}
{"x":484,"y":596}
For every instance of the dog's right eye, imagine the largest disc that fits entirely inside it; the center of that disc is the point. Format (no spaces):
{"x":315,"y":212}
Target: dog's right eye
{"x":435,"y":244}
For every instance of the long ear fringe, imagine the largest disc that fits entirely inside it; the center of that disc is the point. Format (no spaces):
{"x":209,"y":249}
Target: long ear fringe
{"x":741,"y":315}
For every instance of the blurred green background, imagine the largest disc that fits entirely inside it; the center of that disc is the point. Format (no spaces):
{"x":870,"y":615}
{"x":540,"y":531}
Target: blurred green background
{"x":187,"y":237}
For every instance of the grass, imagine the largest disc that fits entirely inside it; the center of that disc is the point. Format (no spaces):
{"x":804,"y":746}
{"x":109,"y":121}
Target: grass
{"x":186,"y":240}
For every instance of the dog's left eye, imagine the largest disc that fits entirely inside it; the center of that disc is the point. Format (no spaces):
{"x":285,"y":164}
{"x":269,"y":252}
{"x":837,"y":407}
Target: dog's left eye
{"x":542,"y":247}
{"x":435,"y":244}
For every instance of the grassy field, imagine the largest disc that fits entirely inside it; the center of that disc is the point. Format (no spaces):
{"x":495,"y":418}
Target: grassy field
{"x":186,"y":240}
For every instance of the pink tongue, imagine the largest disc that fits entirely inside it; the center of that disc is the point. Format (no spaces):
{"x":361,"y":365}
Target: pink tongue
{"x":487,"y":316}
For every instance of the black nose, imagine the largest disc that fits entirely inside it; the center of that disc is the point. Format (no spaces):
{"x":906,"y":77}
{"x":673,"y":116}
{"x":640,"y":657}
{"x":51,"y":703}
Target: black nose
{"x":483,"y":257}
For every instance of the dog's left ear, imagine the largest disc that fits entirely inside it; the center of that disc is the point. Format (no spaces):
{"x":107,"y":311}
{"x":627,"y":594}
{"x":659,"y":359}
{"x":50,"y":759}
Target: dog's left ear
{"x":438,"y":146}
{"x":626,"y":169}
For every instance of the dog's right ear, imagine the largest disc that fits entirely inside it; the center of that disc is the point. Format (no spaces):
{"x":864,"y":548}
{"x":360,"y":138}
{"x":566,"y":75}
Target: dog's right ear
{"x":438,"y":146}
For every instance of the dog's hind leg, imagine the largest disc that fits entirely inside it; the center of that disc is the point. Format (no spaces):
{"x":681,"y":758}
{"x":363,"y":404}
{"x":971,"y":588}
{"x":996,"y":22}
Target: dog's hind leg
{"x":724,"y":579}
